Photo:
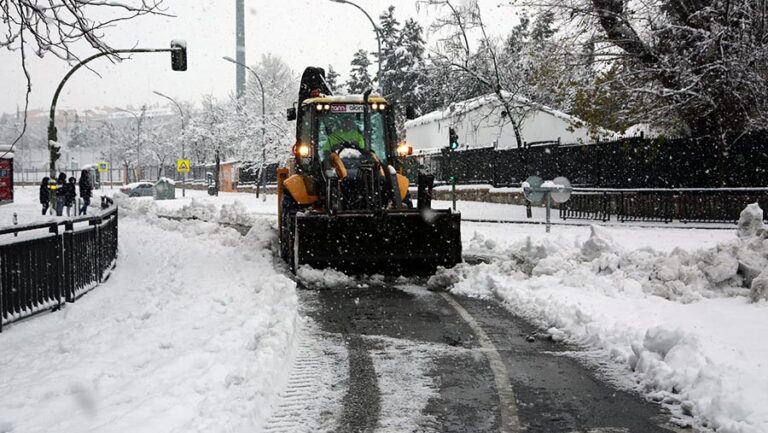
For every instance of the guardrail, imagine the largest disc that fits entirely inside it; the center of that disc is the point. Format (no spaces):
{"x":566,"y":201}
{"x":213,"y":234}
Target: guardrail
{"x":44,"y":265}
{"x":687,"y":205}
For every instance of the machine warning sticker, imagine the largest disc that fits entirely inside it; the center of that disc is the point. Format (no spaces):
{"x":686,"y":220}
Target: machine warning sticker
{"x":347,"y":108}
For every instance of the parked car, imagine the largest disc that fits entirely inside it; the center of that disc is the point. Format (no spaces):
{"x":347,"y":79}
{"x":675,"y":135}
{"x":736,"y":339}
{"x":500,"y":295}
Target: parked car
{"x":139,"y":189}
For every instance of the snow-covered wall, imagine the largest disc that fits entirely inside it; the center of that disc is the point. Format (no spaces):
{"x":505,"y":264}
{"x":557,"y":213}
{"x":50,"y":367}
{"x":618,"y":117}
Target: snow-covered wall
{"x":479,"y":123}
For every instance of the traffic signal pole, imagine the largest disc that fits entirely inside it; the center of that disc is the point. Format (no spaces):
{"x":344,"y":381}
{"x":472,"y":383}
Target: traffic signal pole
{"x":179,"y":63}
{"x":453,"y":144}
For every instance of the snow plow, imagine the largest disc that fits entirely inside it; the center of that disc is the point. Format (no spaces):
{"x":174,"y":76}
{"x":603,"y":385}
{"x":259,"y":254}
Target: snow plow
{"x":343,"y":201}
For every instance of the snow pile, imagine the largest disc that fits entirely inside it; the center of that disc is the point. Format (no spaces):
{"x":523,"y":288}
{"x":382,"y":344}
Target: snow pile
{"x":198,"y":209}
{"x":751,"y":221}
{"x":323,"y":278}
{"x":680,"y":324}
{"x":192,"y":332}
{"x":759,"y":290}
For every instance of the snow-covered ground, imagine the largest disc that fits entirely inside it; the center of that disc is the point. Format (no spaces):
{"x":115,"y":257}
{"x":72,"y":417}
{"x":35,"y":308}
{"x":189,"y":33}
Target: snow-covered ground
{"x":194,"y":331}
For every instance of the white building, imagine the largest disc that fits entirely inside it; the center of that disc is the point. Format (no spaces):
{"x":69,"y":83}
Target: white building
{"x":482,"y":122}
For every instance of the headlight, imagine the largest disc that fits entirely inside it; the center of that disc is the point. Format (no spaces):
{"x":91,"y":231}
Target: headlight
{"x":404,"y":149}
{"x":303,"y":150}
{"x":375,"y":106}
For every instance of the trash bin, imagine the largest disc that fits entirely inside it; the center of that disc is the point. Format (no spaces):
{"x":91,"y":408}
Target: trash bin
{"x":165,"y":189}
{"x":211,"y":184}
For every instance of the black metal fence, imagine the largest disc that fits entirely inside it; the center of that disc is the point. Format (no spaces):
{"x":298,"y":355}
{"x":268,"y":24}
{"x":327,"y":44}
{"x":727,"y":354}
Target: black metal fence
{"x":628,"y":163}
{"x":44,"y":265}
{"x":662,"y":205}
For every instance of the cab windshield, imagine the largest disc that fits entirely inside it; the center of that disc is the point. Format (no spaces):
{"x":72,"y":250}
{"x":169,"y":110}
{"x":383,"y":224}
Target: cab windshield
{"x":339,"y":130}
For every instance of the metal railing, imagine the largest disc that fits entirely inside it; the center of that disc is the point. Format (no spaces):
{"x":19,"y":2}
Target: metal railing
{"x":44,"y":265}
{"x":626,"y":163}
{"x":687,"y":205}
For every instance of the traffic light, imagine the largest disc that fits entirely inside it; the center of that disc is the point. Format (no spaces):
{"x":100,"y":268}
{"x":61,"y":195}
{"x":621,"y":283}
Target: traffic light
{"x":453,"y":139}
{"x":178,"y":55}
{"x":55,"y":148}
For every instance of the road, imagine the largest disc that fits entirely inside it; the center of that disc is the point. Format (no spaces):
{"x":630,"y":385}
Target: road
{"x":400,"y":358}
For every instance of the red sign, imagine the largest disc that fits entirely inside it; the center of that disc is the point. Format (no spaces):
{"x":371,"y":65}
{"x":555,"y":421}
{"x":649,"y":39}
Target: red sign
{"x":6,"y":180}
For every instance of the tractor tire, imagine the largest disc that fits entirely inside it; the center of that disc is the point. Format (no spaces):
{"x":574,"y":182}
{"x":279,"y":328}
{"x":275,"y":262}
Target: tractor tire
{"x":408,"y":201}
{"x":288,"y":209}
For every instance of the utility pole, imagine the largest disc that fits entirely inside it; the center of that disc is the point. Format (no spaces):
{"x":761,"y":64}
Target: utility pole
{"x":240,"y":54}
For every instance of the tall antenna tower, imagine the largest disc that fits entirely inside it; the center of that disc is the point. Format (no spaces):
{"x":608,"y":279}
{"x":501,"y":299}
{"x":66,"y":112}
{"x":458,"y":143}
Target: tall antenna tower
{"x":240,"y":55}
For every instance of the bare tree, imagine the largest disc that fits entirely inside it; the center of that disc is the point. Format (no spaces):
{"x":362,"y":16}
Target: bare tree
{"x":484,"y":67}
{"x":54,"y":27}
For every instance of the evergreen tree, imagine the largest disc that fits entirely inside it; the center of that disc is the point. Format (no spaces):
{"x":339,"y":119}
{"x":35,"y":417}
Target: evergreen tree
{"x":79,"y":135}
{"x":389,"y":30}
{"x":332,"y":78}
{"x":359,"y":77}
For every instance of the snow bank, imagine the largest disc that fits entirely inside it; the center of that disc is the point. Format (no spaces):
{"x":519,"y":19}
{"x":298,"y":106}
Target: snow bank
{"x":192,"y":332}
{"x":678,"y":324}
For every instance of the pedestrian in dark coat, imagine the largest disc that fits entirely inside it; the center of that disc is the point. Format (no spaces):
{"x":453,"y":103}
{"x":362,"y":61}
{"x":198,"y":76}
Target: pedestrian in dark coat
{"x":61,"y":193}
{"x":70,"y":195}
{"x":86,"y":191}
{"x":45,"y":195}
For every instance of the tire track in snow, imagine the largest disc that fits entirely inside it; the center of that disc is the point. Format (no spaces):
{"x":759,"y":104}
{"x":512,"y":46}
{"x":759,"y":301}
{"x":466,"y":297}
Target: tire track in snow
{"x":312,"y":398}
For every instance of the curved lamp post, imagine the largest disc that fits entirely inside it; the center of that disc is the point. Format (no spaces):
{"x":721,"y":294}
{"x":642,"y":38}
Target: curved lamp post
{"x":263,"y":119}
{"x":183,"y":148}
{"x":378,"y":38}
{"x":178,"y":52}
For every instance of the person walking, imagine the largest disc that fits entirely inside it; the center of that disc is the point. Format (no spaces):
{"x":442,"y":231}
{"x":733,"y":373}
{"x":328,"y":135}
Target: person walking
{"x":45,"y":195}
{"x":61,"y":193}
{"x":86,"y":191}
{"x":70,"y":196}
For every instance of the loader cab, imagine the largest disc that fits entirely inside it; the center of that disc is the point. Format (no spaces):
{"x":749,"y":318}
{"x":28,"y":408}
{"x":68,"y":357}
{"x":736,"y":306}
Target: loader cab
{"x":336,"y":124}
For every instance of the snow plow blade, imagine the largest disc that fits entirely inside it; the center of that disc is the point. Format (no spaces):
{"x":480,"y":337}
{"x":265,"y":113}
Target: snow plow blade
{"x":406,"y":242}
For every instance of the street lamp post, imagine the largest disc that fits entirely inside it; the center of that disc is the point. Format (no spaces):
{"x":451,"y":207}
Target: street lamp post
{"x":183,"y":148}
{"x":138,"y":139}
{"x":263,"y":121}
{"x":378,"y":38}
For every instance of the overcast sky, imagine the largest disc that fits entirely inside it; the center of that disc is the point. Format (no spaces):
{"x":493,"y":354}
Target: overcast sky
{"x":303,"y":32}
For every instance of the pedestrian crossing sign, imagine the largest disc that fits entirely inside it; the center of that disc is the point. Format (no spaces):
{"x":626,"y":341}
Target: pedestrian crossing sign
{"x":103,"y":167}
{"x":183,"y":166}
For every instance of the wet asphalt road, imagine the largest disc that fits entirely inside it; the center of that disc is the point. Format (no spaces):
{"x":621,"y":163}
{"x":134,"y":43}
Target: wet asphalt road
{"x":553,"y":393}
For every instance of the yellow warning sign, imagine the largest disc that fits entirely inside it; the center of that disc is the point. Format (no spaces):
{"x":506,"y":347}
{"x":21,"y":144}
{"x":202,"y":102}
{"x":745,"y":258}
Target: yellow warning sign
{"x":103,"y":167}
{"x":183,"y":165}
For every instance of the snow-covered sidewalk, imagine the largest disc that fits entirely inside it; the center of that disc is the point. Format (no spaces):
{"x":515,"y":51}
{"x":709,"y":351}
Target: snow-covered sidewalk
{"x":194,"y":331}
{"x":673,"y":322}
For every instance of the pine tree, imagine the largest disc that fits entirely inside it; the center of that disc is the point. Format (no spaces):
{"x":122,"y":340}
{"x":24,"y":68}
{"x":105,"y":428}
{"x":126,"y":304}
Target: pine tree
{"x":79,"y":136}
{"x":389,"y":30}
{"x":332,"y":78}
{"x":359,"y":77}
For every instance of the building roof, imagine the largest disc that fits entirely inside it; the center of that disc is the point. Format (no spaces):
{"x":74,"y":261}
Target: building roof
{"x":463,"y":107}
